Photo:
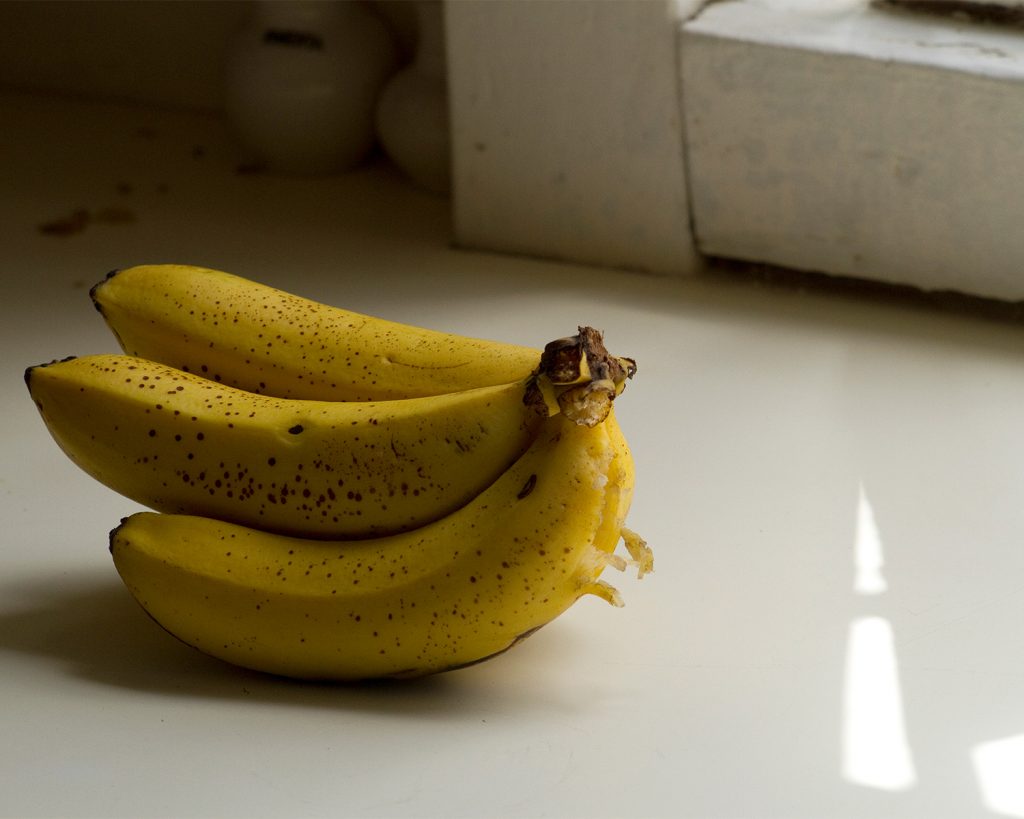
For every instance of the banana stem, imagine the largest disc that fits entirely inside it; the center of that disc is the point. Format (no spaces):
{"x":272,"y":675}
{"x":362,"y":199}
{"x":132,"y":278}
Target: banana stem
{"x":578,"y":377}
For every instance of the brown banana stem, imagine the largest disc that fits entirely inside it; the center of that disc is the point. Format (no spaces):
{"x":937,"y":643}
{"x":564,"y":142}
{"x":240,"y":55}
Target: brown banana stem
{"x":580,"y":376}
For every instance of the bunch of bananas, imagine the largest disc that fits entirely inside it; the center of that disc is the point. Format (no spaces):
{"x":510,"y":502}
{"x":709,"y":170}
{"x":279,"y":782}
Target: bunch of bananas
{"x":339,"y":496}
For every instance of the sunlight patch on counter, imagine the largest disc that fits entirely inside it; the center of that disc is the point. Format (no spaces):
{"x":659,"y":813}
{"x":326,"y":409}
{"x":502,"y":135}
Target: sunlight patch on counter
{"x":867,"y":550}
{"x":876,"y":753}
{"x":998,"y":766}
{"x":875,"y":749}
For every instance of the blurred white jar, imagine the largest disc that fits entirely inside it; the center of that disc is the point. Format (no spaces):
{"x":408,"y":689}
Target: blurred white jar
{"x":301,"y":82}
{"x":412,"y":113}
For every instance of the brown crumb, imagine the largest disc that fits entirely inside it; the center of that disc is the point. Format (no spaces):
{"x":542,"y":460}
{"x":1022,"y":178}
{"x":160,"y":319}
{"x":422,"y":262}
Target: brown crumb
{"x":66,"y":225}
{"x":246,"y":168}
{"x":115,"y":216}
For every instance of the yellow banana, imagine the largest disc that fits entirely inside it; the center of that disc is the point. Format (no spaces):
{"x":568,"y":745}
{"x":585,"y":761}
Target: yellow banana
{"x":238,"y":332}
{"x":180,"y":443}
{"x":264,"y":340}
{"x":448,"y":594}
{"x":290,"y":592}
{"x":640,"y":554}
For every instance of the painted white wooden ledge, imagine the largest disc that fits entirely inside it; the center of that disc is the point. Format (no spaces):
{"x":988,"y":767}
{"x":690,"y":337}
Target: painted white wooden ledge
{"x":566,"y":131}
{"x":864,"y":143}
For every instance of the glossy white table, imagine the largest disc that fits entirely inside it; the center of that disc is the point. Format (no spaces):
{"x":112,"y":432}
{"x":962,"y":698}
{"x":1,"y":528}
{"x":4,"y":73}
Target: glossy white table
{"x":833,"y":488}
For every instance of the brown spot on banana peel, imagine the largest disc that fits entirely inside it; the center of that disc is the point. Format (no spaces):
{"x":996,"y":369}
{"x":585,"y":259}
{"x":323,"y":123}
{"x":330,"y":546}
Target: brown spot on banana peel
{"x":531,"y":482}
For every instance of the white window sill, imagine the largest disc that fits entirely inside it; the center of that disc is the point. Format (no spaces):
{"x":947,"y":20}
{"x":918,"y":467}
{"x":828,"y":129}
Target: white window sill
{"x":868,"y":144}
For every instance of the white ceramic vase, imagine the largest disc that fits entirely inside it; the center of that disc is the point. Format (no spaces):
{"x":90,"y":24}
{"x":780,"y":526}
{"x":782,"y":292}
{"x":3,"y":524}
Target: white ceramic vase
{"x":412,"y":113}
{"x":301,"y":83}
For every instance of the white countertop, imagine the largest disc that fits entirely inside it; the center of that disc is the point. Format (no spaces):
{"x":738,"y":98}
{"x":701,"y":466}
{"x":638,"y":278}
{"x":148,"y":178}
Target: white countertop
{"x":832,"y":486}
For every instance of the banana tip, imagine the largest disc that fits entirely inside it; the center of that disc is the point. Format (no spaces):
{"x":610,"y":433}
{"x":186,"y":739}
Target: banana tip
{"x":30,"y":371}
{"x":95,"y":289}
{"x":113,"y":534}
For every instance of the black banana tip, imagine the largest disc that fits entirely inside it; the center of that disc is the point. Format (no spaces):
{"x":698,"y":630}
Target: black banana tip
{"x":30,"y":370}
{"x":113,"y":534}
{"x":95,"y":289}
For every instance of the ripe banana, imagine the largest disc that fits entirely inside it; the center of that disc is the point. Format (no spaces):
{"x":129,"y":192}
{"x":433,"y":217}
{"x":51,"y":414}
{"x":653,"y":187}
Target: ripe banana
{"x":264,"y":340}
{"x":263,"y":570}
{"x":448,"y":594}
{"x":177,"y":442}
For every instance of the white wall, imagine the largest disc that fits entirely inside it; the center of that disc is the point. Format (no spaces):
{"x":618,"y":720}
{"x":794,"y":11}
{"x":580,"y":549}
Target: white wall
{"x":163,"y":52}
{"x":566,"y":131}
{"x":168,"y":53}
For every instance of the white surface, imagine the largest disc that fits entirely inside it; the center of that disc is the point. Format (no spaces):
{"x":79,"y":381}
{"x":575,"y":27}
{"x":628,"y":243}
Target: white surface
{"x":860,"y":142}
{"x":566,"y":133}
{"x":832,"y":488}
{"x":853,"y":28}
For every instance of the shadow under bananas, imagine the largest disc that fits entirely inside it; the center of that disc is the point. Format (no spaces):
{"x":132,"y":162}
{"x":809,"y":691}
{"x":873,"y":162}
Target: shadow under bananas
{"x":94,"y":630}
